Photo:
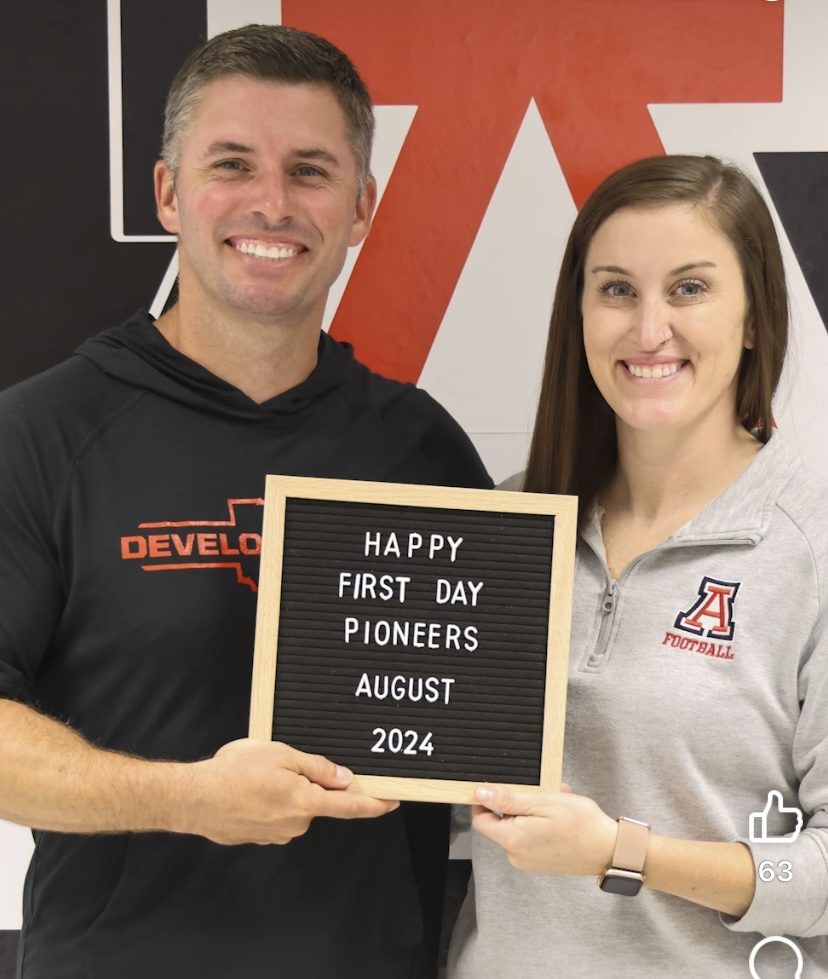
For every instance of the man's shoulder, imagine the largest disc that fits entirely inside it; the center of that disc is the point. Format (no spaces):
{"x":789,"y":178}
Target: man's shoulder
{"x":402,"y":412}
{"x":62,"y":403}
{"x":401,"y":404}
{"x":52,"y":384}
{"x":367,"y":386}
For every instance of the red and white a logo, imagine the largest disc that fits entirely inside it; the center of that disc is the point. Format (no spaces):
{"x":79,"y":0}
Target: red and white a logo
{"x":712,"y":614}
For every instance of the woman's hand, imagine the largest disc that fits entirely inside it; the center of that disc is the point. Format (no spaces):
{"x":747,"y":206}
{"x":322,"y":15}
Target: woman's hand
{"x":562,"y":833}
{"x":550,"y":833}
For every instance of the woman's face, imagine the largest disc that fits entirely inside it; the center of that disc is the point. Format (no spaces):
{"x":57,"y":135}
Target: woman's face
{"x":664,"y":310}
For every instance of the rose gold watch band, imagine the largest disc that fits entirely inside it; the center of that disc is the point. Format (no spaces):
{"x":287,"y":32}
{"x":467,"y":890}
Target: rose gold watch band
{"x":631,"y":845}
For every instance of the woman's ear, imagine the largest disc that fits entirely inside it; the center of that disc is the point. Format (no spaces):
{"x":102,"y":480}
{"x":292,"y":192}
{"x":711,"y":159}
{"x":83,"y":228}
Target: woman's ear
{"x":749,"y":340}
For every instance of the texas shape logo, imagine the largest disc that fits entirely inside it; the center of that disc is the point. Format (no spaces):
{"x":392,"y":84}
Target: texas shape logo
{"x":198,"y":545}
{"x":712,"y":613}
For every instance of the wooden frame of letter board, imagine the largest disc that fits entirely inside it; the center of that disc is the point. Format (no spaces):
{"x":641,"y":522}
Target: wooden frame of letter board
{"x":562,"y":508}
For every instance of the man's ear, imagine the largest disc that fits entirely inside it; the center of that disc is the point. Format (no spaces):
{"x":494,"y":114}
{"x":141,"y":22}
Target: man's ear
{"x":166,"y":201}
{"x":364,"y":211}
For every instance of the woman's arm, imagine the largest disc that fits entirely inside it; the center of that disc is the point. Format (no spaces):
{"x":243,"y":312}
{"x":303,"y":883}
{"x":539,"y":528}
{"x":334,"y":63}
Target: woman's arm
{"x":564,"y":833}
{"x":716,"y":875}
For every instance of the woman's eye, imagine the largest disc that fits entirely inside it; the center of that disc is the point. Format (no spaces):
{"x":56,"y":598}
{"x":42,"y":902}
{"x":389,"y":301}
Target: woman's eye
{"x":616,"y":290}
{"x":690,"y":289}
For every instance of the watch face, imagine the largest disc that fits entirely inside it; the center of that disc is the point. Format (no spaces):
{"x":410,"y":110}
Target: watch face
{"x":621,"y":882}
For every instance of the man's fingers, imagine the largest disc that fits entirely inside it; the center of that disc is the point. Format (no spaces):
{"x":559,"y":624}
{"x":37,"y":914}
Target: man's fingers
{"x":325,"y":775}
{"x":318,"y":769}
{"x":350,"y":805}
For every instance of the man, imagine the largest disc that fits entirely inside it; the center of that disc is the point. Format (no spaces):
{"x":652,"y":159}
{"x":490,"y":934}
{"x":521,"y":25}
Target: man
{"x":125,"y":652}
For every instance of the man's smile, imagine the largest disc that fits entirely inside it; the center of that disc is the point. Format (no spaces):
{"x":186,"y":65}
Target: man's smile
{"x":272,"y":251}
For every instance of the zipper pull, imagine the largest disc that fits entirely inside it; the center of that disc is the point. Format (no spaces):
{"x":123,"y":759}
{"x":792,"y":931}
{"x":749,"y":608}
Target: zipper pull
{"x":609,"y":599}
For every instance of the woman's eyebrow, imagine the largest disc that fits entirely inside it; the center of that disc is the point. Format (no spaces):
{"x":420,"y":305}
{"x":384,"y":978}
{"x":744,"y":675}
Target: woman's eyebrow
{"x":617,"y":270}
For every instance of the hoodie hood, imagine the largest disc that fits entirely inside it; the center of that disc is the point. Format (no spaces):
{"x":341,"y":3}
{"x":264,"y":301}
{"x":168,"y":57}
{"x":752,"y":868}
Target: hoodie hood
{"x":138,"y":354}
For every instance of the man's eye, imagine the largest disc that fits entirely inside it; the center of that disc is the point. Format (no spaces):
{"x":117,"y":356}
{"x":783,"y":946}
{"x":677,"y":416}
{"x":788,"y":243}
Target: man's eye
{"x":308,"y":170}
{"x":230,"y":165}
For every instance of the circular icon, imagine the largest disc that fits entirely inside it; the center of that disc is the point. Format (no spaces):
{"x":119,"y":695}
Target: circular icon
{"x":783,"y":941}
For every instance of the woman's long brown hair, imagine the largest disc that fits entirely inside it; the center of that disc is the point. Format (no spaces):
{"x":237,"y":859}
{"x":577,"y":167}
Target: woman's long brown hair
{"x":574,"y":446}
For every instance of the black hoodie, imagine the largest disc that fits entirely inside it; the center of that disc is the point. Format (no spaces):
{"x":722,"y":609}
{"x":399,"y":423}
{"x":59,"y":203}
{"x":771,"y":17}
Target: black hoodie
{"x":130,"y":513}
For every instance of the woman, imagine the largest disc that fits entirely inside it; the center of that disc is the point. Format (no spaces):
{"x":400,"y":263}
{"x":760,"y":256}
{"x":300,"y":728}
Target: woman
{"x":699,"y":660}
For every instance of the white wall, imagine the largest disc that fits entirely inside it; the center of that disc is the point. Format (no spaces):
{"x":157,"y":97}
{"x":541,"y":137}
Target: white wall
{"x":485,"y":363}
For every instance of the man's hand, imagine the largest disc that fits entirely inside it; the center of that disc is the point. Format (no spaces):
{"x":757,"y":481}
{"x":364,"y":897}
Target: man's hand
{"x":553,"y":833}
{"x":249,"y":792}
{"x":268,"y":792}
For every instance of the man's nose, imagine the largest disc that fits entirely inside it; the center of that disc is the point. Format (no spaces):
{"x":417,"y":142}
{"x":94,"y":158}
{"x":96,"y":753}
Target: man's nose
{"x":271,"y":196}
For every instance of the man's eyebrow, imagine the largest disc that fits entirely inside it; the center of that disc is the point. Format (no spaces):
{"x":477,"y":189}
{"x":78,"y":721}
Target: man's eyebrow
{"x":316,"y":153}
{"x":226,"y":146}
{"x":617,"y":270}
{"x":221,"y":146}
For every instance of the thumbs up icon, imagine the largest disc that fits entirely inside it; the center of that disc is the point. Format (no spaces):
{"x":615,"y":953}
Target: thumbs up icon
{"x":758,"y":829}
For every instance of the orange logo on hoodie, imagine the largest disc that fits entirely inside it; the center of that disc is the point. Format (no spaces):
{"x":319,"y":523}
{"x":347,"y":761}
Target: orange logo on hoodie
{"x":192,"y":545}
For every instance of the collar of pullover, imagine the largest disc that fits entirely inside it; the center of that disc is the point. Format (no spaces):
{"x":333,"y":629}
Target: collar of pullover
{"x":136,"y":353}
{"x":741,"y":513}
{"x":744,"y":509}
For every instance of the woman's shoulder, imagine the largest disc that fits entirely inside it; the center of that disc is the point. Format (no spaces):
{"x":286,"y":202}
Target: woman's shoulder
{"x":803,"y":499}
{"x":514,"y":482}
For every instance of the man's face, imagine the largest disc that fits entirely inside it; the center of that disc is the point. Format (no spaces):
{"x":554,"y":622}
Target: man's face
{"x":266,"y":200}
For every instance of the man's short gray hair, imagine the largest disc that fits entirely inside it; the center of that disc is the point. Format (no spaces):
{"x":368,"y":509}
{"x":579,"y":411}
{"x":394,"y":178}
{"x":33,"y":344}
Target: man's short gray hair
{"x":270,"y":53}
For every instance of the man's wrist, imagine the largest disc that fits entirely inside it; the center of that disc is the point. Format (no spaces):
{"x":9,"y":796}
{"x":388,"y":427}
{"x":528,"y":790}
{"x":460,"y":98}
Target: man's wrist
{"x":160,"y":794}
{"x":180,"y":795}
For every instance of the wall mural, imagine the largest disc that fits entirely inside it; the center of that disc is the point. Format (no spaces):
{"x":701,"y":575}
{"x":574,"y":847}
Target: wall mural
{"x":495,"y":120}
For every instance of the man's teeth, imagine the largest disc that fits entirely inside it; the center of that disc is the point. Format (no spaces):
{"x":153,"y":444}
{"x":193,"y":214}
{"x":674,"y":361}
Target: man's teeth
{"x":262,"y":251}
{"x":657,"y":370}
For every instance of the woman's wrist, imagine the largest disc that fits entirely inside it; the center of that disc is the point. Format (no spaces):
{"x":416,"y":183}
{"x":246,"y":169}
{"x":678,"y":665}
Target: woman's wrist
{"x":625,"y":873}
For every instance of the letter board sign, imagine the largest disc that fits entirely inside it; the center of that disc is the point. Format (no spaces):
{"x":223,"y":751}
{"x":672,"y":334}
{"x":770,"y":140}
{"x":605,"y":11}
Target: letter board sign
{"x":417,"y":634}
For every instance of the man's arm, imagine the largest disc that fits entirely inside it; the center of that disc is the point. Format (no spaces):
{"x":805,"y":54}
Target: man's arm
{"x":249,"y":792}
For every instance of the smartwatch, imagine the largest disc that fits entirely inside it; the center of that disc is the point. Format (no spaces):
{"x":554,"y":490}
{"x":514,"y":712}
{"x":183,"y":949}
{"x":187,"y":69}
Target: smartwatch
{"x":625,"y":874}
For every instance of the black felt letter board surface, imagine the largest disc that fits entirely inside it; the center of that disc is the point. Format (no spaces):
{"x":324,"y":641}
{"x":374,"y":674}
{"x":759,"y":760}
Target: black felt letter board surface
{"x":412,"y":641}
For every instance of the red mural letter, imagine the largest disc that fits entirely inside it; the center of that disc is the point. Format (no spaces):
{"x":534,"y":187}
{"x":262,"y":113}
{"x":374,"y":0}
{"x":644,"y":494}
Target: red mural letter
{"x":471,"y":67}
